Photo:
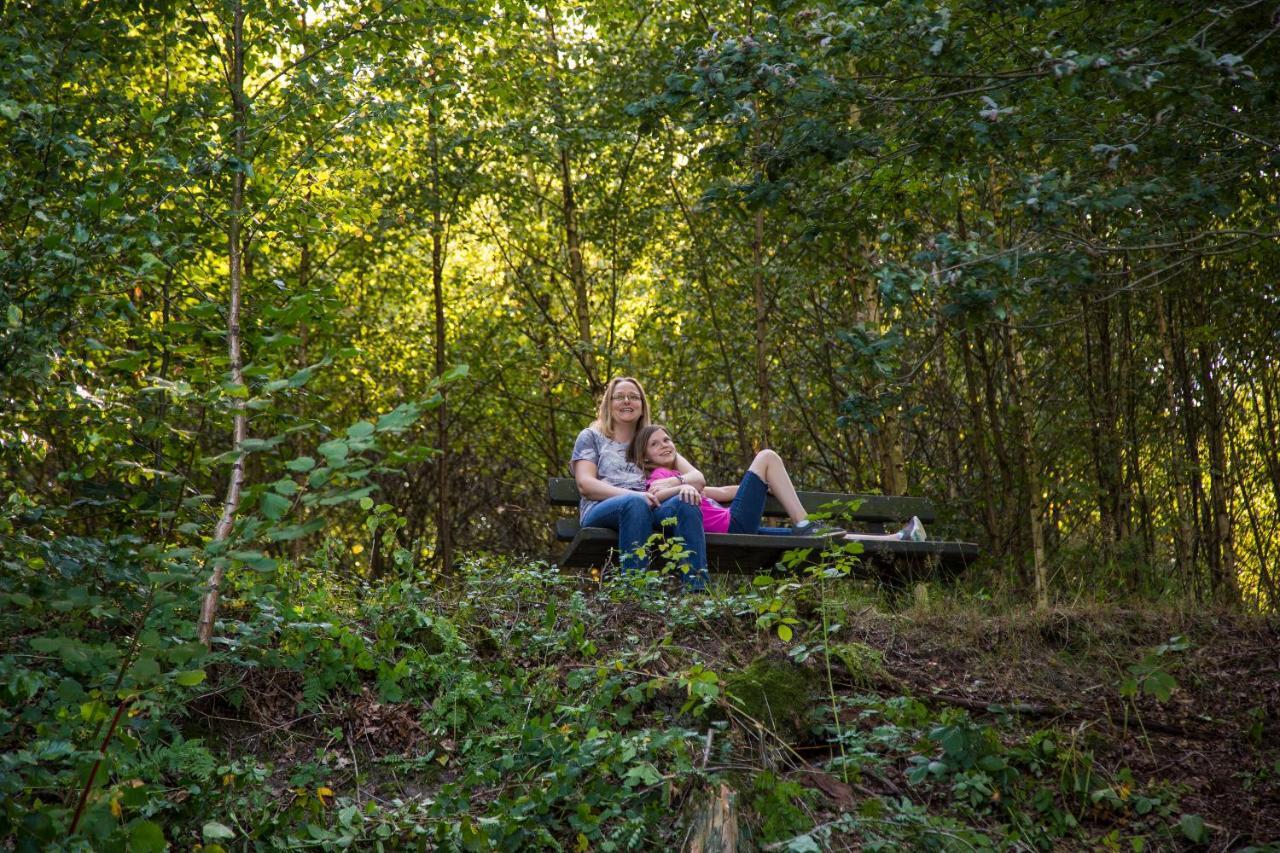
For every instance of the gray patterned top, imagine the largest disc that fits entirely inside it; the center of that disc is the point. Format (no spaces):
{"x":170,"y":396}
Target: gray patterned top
{"x":611,"y":462}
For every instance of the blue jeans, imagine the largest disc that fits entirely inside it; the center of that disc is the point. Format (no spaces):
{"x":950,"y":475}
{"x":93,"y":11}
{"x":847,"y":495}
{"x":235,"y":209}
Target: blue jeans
{"x":635,"y":520}
{"x":747,"y":509}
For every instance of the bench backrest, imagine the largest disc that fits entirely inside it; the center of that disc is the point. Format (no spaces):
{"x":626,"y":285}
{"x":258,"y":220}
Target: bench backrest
{"x":563,"y":491}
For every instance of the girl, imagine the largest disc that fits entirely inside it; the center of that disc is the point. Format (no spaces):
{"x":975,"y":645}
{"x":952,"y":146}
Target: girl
{"x":654,"y":451}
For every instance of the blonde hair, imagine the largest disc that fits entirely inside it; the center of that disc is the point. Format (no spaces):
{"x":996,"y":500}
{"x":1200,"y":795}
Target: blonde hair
{"x":604,"y":415}
{"x":637,"y":451}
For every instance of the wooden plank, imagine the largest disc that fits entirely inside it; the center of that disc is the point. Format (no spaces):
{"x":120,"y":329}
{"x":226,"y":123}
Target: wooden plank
{"x":875,"y":509}
{"x":728,"y":552}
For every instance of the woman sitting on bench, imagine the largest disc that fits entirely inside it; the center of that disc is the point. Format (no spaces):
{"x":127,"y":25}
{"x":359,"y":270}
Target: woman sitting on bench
{"x":612,"y":489}
{"x":653,"y":450}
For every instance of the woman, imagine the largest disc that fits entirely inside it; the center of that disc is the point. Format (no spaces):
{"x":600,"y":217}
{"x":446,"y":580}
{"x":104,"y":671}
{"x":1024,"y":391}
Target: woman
{"x":613,"y":490}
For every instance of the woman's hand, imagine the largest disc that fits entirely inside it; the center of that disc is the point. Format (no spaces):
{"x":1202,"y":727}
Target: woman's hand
{"x":690,"y":495}
{"x":653,"y":499}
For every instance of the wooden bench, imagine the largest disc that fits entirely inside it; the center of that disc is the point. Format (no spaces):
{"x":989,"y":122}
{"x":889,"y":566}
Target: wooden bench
{"x":726,"y":552}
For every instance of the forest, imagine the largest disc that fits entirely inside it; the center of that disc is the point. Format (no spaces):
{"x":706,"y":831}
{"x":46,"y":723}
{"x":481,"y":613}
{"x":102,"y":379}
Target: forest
{"x":304,"y":302}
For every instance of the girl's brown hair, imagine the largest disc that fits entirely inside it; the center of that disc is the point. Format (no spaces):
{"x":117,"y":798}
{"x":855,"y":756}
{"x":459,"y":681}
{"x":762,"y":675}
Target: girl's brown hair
{"x":635,"y":450}
{"x":604,"y":415}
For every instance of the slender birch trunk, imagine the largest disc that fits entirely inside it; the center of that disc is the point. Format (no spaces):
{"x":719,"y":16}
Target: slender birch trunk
{"x":444,"y":503}
{"x":235,"y":267}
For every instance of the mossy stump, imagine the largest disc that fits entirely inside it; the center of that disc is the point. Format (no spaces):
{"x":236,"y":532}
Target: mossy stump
{"x":774,"y":692}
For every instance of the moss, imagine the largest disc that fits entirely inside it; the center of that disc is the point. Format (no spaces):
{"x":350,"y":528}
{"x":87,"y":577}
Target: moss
{"x":864,"y":664}
{"x":775,"y":692}
{"x":781,"y":809}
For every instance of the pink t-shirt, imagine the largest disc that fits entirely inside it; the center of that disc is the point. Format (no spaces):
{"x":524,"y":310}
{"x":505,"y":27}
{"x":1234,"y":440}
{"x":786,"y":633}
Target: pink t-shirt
{"x":715,"y":518}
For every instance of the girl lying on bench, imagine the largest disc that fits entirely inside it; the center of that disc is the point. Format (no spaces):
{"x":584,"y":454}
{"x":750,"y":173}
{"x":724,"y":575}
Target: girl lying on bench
{"x":653,"y":450}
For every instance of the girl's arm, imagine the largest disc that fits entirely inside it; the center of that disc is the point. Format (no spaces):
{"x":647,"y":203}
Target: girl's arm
{"x":687,"y":492}
{"x":723,"y":494}
{"x":661,"y":493}
{"x":688,"y":476}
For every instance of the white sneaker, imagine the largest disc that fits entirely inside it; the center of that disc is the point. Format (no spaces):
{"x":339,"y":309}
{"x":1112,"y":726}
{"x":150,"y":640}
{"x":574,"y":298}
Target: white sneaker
{"x":913,"y":531}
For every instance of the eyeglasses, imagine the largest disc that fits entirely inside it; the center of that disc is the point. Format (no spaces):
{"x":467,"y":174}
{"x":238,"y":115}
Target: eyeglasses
{"x":627,"y":398}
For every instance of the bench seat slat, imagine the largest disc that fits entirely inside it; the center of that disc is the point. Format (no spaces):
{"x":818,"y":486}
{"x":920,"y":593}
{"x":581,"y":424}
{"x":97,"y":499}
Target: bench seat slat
{"x":875,"y":509}
{"x":590,"y":546}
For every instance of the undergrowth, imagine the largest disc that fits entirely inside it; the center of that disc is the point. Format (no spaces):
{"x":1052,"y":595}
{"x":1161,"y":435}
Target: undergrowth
{"x":520,"y":707}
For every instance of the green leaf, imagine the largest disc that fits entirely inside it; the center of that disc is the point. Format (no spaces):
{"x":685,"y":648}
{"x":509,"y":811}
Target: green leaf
{"x":254,"y":559}
{"x":274,"y":506}
{"x":302,"y":464}
{"x":1192,"y":826}
{"x":285,"y":486}
{"x":214,"y":831}
{"x":303,"y":376}
{"x":334,"y":451}
{"x":190,"y":678}
{"x":146,"y":837}
{"x":15,"y":316}
{"x":401,"y":417}
{"x":784,"y":633}
{"x":642,"y":774}
{"x":347,"y":497}
{"x":360,"y":429}
{"x":472,"y":837}
{"x":1160,"y":684}
{"x":295,"y":531}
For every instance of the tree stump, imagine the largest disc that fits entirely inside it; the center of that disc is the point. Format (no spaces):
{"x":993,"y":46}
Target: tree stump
{"x":715,"y":826}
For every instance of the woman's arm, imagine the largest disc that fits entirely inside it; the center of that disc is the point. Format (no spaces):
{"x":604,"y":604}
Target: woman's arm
{"x":691,"y":475}
{"x":591,"y":487}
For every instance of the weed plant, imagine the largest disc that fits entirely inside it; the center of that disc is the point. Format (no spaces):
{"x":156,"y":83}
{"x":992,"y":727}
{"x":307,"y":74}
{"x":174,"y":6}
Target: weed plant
{"x":521,"y":707}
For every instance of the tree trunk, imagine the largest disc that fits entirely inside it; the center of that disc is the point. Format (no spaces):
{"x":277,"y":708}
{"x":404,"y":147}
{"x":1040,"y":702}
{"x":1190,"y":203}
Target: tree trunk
{"x":444,"y":502}
{"x":1009,"y":533}
{"x":1135,"y":482}
{"x":1265,"y":417}
{"x":1030,"y":466}
{"x":1179,"y":469}
{"x":727,"y":363}
{"x":235,"y":261}
{"x":1261,"y":532}
{"x":569,"y":210}
{"x":761,"y":303}
{"x":976,"y":434}
{"x":1099,"y":393}
{"x":886,"y":442}
{"x":577,"y":275}
{"x":715,"y":825}
{"x":1222,"y":558}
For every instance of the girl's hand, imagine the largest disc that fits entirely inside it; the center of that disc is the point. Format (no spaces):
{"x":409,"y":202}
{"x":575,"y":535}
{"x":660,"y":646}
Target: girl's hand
{"x":652,"y":497}
{"x":689,"y":495}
